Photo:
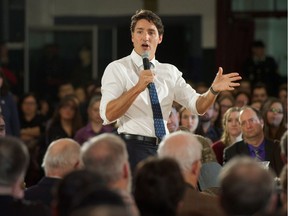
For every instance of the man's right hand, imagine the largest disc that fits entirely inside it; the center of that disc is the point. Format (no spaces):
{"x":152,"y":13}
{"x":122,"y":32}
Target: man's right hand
{"x":146,"y":77}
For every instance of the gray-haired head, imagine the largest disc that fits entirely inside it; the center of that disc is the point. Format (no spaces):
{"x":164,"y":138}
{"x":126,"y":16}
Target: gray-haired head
{"x":105,"y":155}
{"x":61,"y":157}
{"x":14,"y":160}
{"x":246,"y":186}
{"x":183,"y":147}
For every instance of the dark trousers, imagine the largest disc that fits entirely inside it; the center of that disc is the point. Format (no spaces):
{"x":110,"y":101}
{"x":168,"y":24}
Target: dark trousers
{"x":138,"y":151}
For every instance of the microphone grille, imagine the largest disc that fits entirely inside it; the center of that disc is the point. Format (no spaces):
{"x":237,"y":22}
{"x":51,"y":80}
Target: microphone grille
{"x":145,"y":55}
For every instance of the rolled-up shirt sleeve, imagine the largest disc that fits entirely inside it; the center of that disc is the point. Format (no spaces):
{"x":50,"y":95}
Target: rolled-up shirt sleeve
{"x":184,"y":94}
{"x":112,"y":87}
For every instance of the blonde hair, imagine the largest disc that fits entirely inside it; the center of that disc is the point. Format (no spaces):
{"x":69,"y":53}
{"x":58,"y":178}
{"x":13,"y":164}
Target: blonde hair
{"x":225,"y":138}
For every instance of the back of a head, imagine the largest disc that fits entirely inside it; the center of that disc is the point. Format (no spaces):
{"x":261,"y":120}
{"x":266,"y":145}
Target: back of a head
{"x":159,"y":186}
{"x":246,"y":187}
{"x":104,"y":210}
{"x":14,"y":160}
{"x":62,"y":156}
{"x":67,"y":193}
{"x":183,"y":147}
{"x":105,"y":155}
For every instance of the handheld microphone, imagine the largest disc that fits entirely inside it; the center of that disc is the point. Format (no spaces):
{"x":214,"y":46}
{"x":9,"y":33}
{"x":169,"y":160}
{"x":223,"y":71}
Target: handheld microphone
{"x":146,"y":62}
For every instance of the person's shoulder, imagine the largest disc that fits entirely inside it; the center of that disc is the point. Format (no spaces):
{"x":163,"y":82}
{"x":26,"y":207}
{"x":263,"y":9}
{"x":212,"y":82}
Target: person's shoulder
{"x":234,"y":146}
{"x":166,"y":65}
{"x":24,"y":207}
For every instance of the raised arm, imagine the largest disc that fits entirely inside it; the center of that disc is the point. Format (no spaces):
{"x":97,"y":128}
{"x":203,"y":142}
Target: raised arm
{"x":222,"y":82}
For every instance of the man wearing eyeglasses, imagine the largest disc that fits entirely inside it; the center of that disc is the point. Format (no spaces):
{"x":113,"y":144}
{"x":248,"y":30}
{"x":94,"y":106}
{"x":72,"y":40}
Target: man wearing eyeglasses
{"x":254,"y":143}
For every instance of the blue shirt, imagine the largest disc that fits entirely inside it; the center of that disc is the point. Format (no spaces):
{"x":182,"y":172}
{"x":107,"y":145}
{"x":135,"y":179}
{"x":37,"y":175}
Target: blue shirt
{"x":260,"y":149}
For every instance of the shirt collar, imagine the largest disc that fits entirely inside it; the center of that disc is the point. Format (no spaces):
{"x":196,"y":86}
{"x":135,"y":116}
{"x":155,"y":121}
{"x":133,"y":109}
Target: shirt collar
{"x":137,"y":59}
{"x":260,"y":147}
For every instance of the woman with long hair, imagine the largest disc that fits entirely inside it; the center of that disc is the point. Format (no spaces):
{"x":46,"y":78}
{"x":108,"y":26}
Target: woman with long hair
{"x":274,"y":117}
{"x":65,"y":121}
{"x":231,"y":132}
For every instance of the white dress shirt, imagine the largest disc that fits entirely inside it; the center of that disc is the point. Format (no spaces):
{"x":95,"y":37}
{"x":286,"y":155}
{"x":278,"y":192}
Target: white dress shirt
{"x":121,"y":75}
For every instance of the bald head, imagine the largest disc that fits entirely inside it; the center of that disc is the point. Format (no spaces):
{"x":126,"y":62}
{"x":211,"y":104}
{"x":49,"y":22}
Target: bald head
{"x":61,"y":157}
{"x":183,"y":147}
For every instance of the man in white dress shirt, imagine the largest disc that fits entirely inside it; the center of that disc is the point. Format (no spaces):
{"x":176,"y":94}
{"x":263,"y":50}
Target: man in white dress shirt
{"x":125,"y":96}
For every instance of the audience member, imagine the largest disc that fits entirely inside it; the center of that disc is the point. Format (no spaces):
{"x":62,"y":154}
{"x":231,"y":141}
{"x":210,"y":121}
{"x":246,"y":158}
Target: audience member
{"x":226,"y":102}
{"x":261,"y":68}
{"x":247,"y":187}
{"x":254,"y":143}
{"x":159,"y":187}
{"x":210,"y":169}
{"x":51,"y":72}
{"x":259,"y":93}
{"x":205,"y":127}
{"x":32,"y":132}
{"x":242,"y":99}
{"x":14,"y":160}
{"x":245,"y":86}
{"x":173,"y":120}
{"x":274,"y":117}
{"x":186,"y":150}
{"x":8,"y":108}
{"x":71,"y":190}
{"x":32,"y":124}
{"x":6,"y":67}
{"x":216,"y":114}
{"x":103,"y":210}
{"x":61,"y":157}
{"x":257,"y":104}
{"x":107,"y":156}
{"x":95,"y":125}
{"x":231,"y":132}
{"x":101,"y":202}
{"x":64,"y":89}
{"x":188,"y":119}
{"x":83,"y":67}
{"x":65,"y":121}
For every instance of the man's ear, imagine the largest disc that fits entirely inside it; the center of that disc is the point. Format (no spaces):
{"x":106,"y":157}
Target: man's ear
{"x":160,"y":38}
{"x":196,"y":166}
{"x":126,"y":170}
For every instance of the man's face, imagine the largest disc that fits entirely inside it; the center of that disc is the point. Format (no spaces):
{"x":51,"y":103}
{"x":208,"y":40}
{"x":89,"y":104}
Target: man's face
{"x":259,"y":94}
{"x":173,"y":121}
{"x":251,"y":126}
{"x":146,"y":38}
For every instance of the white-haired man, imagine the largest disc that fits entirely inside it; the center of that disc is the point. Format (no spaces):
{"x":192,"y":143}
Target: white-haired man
{"x":106,"y":155}
{"x":186,"y":149}
{"x":61,"y":157}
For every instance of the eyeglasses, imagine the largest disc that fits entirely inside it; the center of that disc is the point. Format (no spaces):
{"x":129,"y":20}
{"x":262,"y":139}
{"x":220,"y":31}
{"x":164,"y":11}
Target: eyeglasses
{"x":274,"y":110}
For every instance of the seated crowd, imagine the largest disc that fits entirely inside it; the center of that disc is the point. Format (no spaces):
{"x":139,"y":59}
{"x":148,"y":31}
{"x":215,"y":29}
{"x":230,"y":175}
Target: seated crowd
{"x":230,"y":161}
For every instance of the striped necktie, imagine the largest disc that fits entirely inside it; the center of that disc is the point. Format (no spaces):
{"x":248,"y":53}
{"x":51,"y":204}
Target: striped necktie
{"x":257,"y":154}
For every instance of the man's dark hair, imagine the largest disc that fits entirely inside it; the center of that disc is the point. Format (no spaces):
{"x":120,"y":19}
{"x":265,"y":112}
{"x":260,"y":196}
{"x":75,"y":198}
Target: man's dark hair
{"x":258,"y":113}
{"x":159,"y":186}
{"x":258,"y":44}
{"x":149,"y":16}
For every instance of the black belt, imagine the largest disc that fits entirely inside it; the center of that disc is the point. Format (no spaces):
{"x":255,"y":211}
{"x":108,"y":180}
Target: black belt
{"x":152,"y":140}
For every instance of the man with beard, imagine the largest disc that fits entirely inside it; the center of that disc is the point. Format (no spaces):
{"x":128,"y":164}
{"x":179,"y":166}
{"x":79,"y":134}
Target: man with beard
{"x":206,"y":128}
{"x":254,"y":143}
